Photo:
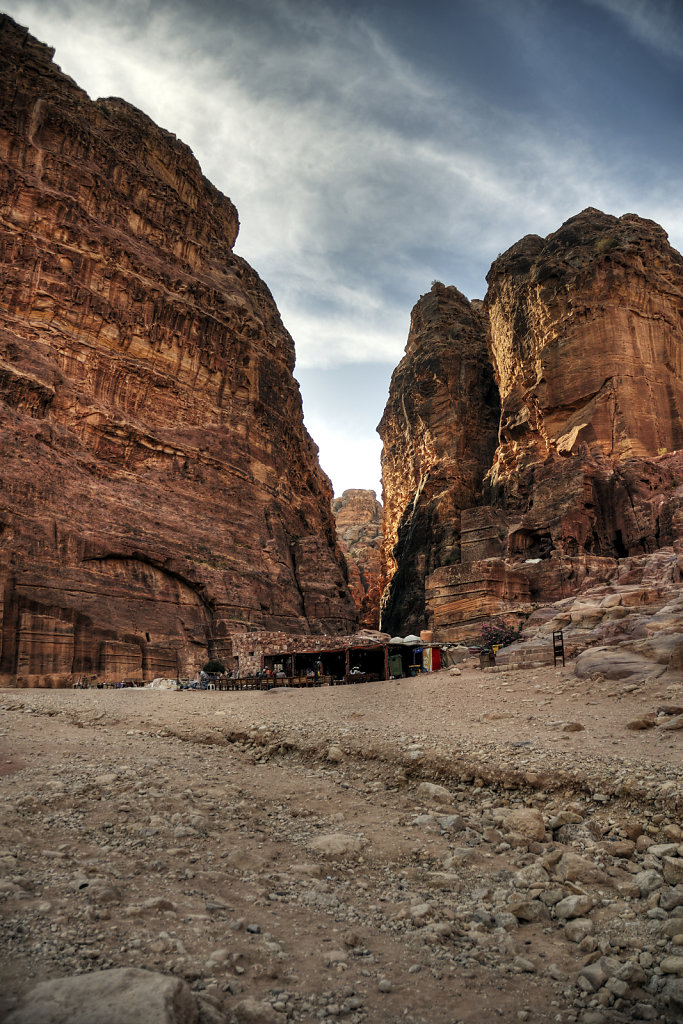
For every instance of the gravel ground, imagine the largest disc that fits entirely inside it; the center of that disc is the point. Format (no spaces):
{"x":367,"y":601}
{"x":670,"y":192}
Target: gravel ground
{"x":487,"y":846}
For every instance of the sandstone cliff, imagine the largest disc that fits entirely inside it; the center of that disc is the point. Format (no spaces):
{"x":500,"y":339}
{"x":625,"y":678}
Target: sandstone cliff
{"x":585,"y":337}
{"x":587,"y":343}
{"x":439,"y":432}
{"x":358,"y":516}
{"x":159,"y":487}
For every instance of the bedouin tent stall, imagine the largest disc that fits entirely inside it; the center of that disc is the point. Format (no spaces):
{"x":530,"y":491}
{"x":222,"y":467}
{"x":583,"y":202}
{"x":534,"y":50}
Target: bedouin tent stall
{"x":358,"y":663}
{"x":400,"y":658}
{"x":409,"y":656}
{"x":346,"y":662}
{"x":368,"y":661}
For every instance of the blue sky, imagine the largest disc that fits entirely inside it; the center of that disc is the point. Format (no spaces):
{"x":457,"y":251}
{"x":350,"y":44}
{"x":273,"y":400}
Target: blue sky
{"x":373,"y":146}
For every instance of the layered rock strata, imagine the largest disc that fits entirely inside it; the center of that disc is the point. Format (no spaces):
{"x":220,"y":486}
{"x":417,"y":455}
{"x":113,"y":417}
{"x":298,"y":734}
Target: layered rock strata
{"x":585,"y":337}
{"x":457,"y":594}
{"x":159,"y":488}
{"x":358,"y":516}
{"x":439,"y":432}
{"x":625,"y":623}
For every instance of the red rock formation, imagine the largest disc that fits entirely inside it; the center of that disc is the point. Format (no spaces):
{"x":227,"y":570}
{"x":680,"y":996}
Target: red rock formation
{"x":586,"y":339}
{"x":358,"y":516}
{"x":439,"y":431}
{"x":457,"y":595}
{"x":159,"y":488}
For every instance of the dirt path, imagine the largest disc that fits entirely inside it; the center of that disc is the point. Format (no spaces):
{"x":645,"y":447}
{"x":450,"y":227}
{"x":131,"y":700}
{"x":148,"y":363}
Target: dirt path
{"x":345,"y":852}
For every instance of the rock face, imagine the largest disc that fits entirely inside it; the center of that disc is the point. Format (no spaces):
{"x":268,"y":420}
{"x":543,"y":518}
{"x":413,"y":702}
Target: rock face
{"x":439,"y":431}
{"x":159,"y":487}
{"x":358,"y":516}
{"x":626,"y":622}
{"x":585,"y":337}
{"x":501,"y":546}
{"x":587,"y":343}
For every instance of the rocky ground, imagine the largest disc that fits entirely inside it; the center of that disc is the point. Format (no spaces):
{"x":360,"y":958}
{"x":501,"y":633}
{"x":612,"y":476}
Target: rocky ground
{"x":452,"y":848}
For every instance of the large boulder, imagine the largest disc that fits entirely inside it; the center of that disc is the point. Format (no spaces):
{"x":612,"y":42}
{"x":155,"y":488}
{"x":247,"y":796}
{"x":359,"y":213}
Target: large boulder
{"x":125,"y":995}
{"x":614,"y":663}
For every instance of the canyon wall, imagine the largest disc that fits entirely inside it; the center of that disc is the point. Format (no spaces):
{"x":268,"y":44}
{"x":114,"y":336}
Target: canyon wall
{"x":159,"y":488}
{"x":585,"y":336}
{"x":439,"y":431}
{"x":586,"y":339}
{"x":358,"y":516}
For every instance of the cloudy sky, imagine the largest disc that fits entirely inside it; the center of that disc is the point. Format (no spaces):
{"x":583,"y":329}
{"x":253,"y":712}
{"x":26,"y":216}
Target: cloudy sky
{"x":372,"y":146}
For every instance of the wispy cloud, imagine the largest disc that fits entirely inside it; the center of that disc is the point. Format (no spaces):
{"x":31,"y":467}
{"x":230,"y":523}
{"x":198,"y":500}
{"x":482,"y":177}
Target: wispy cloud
{"x":659,"y":23}
{"x":358,"y":176}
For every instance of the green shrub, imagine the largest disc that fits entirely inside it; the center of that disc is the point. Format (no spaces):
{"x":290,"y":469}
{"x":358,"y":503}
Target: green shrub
{"x":214,"y":667}
{"x":605,"y":244}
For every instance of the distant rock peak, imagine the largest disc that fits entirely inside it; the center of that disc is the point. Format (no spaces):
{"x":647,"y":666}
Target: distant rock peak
{"x":358,"y":516}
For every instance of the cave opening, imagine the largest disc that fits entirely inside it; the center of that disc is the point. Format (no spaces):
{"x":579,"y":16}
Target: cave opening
{"x":619,"y":546}
{"x":531,"y":544}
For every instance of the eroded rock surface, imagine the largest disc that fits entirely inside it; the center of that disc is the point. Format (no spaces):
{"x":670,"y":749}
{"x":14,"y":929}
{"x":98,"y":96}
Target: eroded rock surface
{"x":585,"y":337}
{"x":627,"y":627}
{"x":586,"y":340}
{"x":159,"y":486}
{"x":439,"y":431}
{"x":358,"y":516}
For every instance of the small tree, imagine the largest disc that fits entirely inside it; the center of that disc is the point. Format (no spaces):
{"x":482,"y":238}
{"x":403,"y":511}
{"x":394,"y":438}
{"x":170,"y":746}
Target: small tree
{"x":498,"y":634}
{"x":214,"y":667}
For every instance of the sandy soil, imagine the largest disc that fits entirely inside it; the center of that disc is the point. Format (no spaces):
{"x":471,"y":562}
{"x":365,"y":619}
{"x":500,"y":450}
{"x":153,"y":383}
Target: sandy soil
{"x":284,"y":846}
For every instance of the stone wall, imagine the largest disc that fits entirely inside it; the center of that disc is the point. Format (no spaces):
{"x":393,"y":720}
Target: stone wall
{"x":461,"y":596}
